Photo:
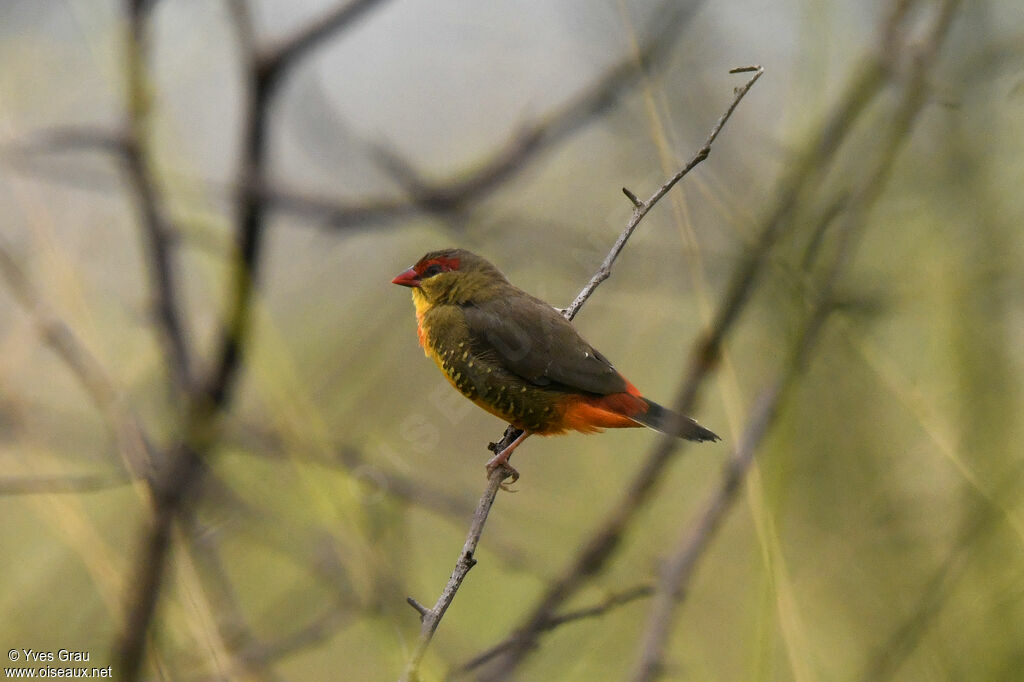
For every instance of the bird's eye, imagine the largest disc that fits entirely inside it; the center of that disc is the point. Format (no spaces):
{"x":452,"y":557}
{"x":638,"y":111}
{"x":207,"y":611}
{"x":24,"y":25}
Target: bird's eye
{"x":434,"y":269}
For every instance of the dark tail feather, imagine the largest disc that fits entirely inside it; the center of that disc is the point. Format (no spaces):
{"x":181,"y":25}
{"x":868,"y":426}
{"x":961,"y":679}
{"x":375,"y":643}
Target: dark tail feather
{"x":665,"y":420}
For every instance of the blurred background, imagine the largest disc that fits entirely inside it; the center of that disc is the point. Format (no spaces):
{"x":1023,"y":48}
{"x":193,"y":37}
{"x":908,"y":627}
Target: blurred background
{"x":880,"y":532}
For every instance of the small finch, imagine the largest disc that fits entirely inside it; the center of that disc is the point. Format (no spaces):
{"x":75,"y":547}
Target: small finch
{"x":520,"y":359}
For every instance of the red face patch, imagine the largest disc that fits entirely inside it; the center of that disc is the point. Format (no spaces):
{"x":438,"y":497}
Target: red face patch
{"x":435,"y":266}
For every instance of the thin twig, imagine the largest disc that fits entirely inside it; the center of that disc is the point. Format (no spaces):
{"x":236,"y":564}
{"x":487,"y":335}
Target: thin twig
{"x":229,"y":618}
{"x":432,"y":617}
{"x":936,"y":591}
{"x":253,"y":656}
{"x":611,"y":602}
{"x":256,"y":440}
{"x":641,"y":208}
{"x":290,"y":51}
{"x":404,"y":488}
{"x":316,"y":630}
{"x":392,"y":485}
{"x":132,"y":441}
{"x":155,"y":222}
{"x":70,"y":138}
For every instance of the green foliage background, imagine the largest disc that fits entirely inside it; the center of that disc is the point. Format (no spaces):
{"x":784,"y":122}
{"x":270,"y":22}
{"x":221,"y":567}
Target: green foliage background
{"x":881,"y":532}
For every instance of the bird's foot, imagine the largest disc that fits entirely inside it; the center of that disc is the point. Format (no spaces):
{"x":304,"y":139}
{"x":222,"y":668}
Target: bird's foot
{"x":500,"y":460}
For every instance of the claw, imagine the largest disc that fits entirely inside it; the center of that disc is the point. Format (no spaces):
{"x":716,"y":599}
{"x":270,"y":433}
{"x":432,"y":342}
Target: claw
{"x":507,"y":471}
{"x":501,"y":460}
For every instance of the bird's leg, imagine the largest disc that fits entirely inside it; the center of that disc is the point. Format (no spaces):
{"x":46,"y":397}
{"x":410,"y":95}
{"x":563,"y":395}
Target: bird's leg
{"x":501,"y":459}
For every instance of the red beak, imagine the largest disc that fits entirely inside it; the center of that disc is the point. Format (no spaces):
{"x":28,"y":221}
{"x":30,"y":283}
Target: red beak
{"x":409,"y":278}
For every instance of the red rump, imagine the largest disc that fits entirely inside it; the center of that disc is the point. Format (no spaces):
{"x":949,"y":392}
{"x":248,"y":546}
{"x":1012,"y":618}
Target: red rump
{"x":593,"y":413}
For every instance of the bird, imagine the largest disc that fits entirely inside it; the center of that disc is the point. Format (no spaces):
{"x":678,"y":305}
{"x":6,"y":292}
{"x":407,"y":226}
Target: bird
{"x":520,"y":359}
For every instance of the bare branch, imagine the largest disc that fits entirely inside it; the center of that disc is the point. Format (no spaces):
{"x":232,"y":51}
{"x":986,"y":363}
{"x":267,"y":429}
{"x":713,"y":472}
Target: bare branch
{"x":245,"y":30}
{"x":610,"y":603}
{"x":266,"y":72}
{"x":692,"y":545}
{"x":290,"y":51}
{"x":677,"y":571}
{"x":632,"y":198}
{"x":251,"y":655}
{"x":483,"y":176}
{"x":317,"y":630}
{"x":406,"y":489}
{"x":937,"y":589}
{"x":641,"y":208}
{"x":71,"y":138}
{"x":139,"y":174}
{"x":170,"y":488}
{"x":398,"y":487}
{"x":62,"y":483}
{"x":159,"y":235}
{"x":132,"y":441}
{"x":433,"y":616}
{"x":534,"y":138}
{"x":209,"y":400}
{"x":257,"y":441}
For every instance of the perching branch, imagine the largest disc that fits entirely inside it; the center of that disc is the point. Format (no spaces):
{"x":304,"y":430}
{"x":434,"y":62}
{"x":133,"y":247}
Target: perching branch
{"x":431,"y":617}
